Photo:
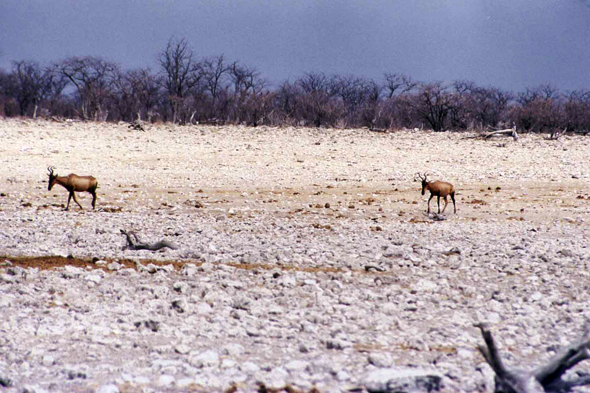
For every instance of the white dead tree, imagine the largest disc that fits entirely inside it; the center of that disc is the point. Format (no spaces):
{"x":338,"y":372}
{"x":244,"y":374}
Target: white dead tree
{"x":507,"y":132}
{"x":490,"y":134}
{"x":135,"y":243}
{"x":546,"y":378}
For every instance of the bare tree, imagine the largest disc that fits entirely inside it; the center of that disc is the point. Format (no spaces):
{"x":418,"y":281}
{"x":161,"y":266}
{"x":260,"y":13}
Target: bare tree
{"x":577,"y":110}
{"x":433,"y":104}
{"x":181,"y":73}
{"x":244,"y":79}
{"x":248,"y":91}
{"x":8,"y":105}
{"x":30,"y":85}
{"x":94,"y":79}
{"x":216,"y":72}
{"x":285,"y":103}
{"x":315,"y":103}
{"x":55,"y":101}
{"x":353,"y":91}
{"x":360,"y":97}
{"x":489,"y":106}
{"x":398,"y":84}
{"x":540,"y":109}
{"x":145,"y":90}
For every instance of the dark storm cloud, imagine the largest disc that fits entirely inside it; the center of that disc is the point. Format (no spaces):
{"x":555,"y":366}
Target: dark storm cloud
{"x":505,"y":43}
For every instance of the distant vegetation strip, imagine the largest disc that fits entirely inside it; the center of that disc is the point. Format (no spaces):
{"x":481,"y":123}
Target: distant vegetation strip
{"x":185,"y":89}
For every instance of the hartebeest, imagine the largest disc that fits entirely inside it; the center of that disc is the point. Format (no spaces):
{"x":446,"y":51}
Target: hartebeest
{"x":74,"y":183}
{"x":439,"y":189}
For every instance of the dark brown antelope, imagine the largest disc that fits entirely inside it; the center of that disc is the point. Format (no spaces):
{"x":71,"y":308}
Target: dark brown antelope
{"x":74,"y":183}
{"x":439,"y":189}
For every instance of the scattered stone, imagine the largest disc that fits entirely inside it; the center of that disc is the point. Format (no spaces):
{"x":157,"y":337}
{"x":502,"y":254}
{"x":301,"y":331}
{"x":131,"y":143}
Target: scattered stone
{"x":154,"y":326}
{"x":403,"y":380}
{"x":205,"y":359}
{"x":48,"y":360}
{"x":76,"y":375}
{"x":179,"y":305}
{"x":95,"y":278}
{"x":381,"y":360}
{"x":114,"y":266}
{"x":6,"y":382}
{"x":249,"y":367}
{"x":276,"y":294}
{"x":566,"y":253}
{"x":181,"y":287}
{"x":166,"y":380}
{"x":109,"y":388}
{"x":189,"y":270}
{"x":296,"y":365}
{"x":72,"y":272}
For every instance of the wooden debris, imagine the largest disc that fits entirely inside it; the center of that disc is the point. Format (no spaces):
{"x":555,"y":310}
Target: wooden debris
{"x":555,"y":135}
{"x":374,"y":267}
{"x":544,"y":379}
{"x":136,"y":125}
{"x":488,"y":135}
{"x":134,"y":243}
{"x":507,"y":132}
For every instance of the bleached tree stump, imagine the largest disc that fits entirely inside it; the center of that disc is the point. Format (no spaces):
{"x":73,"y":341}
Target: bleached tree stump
{"x":546,"y":378}
{"x":135,"y":243}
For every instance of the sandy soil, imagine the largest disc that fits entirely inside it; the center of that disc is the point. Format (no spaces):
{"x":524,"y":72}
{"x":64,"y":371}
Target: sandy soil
{"x":281,"y":170}
{"x":314,"y":202}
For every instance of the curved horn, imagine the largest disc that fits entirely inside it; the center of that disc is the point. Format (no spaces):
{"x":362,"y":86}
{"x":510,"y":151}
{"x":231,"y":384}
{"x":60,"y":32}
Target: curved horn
{"x":420,"y":176}
{"x":50,"y":169}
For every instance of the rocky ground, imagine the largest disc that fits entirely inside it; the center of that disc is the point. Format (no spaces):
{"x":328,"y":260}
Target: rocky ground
{"x":277,"y":233}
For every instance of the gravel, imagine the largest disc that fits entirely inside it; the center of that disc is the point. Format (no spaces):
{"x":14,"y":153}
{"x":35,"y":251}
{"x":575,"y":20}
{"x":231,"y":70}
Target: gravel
{"x":275,"y":229}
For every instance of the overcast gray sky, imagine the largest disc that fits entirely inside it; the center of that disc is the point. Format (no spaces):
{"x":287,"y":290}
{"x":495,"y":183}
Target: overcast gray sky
{"x":511,"y":44}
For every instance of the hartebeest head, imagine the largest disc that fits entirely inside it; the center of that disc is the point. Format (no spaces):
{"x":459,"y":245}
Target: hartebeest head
{"x":424,"y":181}
{"x":52,"y":178}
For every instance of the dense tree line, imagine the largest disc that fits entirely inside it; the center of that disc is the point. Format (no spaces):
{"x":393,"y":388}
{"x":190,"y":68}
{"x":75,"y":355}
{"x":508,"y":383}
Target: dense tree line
{"x":186,"y":89}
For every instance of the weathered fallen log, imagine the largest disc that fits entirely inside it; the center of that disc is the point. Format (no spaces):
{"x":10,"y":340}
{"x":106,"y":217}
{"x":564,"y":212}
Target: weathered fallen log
{"x":135,"y":243}
{"x":507,"y":132}
{"x":547,"y":378}
{"x":487,"y":135}
{"x":375,"y":267}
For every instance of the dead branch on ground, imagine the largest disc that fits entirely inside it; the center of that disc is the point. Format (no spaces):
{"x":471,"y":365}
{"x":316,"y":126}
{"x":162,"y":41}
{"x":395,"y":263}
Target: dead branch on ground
{"x":375,"y":267}
{"x":136,"y":125}
{"x":547,"y":378}
{"x":135,"y":243}
{"x":490,"y":134}
{"x":555,"y":135}
{"x":507,"y":132}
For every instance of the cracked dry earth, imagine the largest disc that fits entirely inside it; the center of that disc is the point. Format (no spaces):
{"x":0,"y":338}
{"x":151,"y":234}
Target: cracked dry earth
{"x":277,"y":229}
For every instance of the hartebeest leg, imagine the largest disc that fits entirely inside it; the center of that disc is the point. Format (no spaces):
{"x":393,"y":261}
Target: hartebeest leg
{"x":446,"y":203}
{"x":454,"y":205}
{"x":93,"y":199}
{"x":438,"y":203}
{"x":75,"y":199}
{"x":429,"y":199}
{"x":69,"y":198}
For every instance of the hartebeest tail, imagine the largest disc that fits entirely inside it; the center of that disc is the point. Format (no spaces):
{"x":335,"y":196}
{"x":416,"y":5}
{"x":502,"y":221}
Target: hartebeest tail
{"x":74,"y":183}
{"x":439,"y":189}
